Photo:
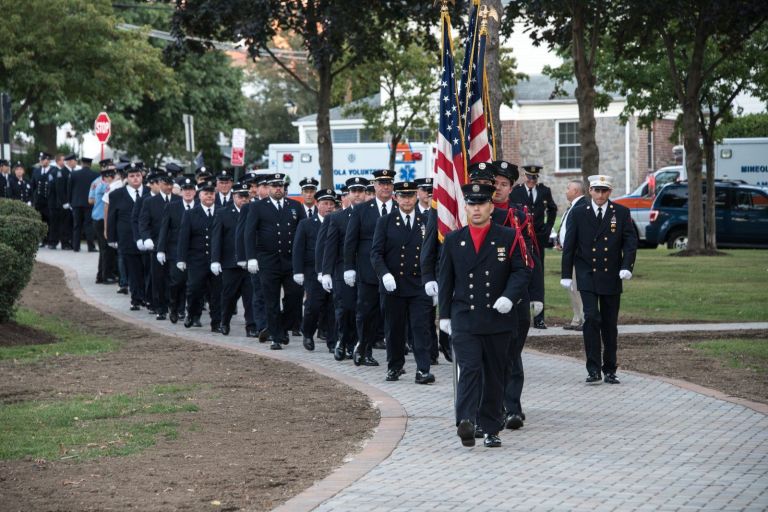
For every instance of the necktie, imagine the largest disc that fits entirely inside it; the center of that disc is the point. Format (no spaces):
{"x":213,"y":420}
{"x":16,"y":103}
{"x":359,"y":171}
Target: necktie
{"x":310,"y":212}
{"x":279,"y":206}
{"x":408,"y":222}
{"x":137,"y":195}
{"x":600,"y":215}
{"x":209,"y":212}
{"x":188,"y":207}
{"x":383,"y":209}
{"x":530,"y":195}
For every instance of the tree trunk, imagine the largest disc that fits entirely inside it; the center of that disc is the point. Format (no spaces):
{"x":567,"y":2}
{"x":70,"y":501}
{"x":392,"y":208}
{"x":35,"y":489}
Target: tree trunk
{"x":394,"y":141}
{"x":693,"y":168}
{"x":324,"y":144}
{"x":45,"y":136}
{"x":710,"y":224}
{"x":585,"y":94}
{"x":493,"y":75}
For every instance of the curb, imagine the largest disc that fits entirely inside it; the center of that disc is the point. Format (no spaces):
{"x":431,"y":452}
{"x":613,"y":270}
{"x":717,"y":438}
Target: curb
{"x":393,"y":419}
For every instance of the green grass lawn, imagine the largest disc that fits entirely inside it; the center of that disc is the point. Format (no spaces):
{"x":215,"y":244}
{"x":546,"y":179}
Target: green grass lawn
{"x":82,"y":428}
{"x":72,"y":339}
{"x":738,"y":353}
{"x":667,"y":289}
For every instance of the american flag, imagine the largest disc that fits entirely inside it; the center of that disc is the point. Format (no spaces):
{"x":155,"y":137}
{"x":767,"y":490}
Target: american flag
{"x":450,"y":166}
{"x":475,"y":127}
{"x":469,"y":47}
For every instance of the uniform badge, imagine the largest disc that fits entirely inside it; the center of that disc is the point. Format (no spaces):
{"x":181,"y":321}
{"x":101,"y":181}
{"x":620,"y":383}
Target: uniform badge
{"x":613,"y":224}
{"x":423,"y":231}
{"x":501,"y":254}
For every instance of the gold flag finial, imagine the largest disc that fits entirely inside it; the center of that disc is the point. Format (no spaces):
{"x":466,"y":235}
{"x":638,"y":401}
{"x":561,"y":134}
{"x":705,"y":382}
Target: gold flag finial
{"x":444,"y":4}
{"x":486,"y":12}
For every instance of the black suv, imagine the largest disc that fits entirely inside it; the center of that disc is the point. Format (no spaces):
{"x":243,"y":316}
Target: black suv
{"x":741,"y":214}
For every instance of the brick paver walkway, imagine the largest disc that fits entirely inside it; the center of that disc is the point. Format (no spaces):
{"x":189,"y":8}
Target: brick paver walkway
{"x":643,"y":445}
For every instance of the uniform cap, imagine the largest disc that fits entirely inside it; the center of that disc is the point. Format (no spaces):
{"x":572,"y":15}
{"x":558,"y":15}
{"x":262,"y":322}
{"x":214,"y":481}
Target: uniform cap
{"x":107,"y":162}
{"x":344,"y":190}
{"x":225,"y":175}
{"x":370,"y":189}
{"x":477,"y":193}
{"x":277,"y":178}
{"x":405,"y":187}
{"x":309,"y":183}
{"x":482,"y":171}
{"x":383,"y":175}
{"x":357,"y":182}
{"x":44,"y":156}
{"x":423,"y":182}
{"x":325,"y":193}
{"x":532,"y":169}
{"x":174,"y":168}
{"x":86,"y":160}
{"x":242,"y":187}
{"x":3,"y":161}
{"x":187,"y":183}
{"x":506,"y":169}
{"x":132,"y":167}
{"x":600,"y":181}
{"x":207,"y":186}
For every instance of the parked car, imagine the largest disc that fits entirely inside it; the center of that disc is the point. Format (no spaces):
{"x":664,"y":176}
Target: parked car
{"x":741,"y":214}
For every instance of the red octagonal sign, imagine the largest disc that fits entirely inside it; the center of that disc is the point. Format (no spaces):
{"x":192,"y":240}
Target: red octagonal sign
{"x":102,"y":127}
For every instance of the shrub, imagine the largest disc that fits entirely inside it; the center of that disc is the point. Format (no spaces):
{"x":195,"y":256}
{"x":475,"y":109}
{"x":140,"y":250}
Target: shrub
{"x":22,"y":234}
{"x":18,"y":209}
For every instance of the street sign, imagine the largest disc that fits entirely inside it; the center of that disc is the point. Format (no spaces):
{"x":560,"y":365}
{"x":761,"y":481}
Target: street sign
{"x":102,"y":127}
{"x":189,"y":132}
{"x":238,"y":147}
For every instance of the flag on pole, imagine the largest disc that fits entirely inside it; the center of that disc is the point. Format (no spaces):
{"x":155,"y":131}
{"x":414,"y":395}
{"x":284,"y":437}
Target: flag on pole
{"x":466,"y":67}
{"x":478,"y":148}
{"x":450,"y":165}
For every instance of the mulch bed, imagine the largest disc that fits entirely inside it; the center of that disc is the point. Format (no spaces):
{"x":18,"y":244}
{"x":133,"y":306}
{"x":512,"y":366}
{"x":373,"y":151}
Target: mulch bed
{"x":12,"y":334}
{"x":265,"y":429}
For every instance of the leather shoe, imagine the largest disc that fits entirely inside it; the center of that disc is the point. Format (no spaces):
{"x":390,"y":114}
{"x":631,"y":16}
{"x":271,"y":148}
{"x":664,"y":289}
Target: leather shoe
{"x":433,"y":360}
{"x":331,"y":347}
{"x":295,"y":332}
{"x":263,"y":335}
{"x":224,"y":329}
{"x":182,"y":315}
{"x":393,"y":375}
{"x":593,"y":378}
{"x":276,"y":346}
{"x":350,"y":353}
{"x":610,"y":378}
{"x":135,"y":307}
{"x":357,"y":356}
{"x":251,"y":333}
{"x":216,"y":328}
{"x":196,"y":322}
{"x":466,"y":432}
{"x":309,"y":344}
{"x":447,"y":354}
{"x":424,"y":377}
{"x":160,"y":316}
{"x":173,"y":317}
{"x":370,"y":361}
{"x":123,"y":290}
{"x":513,"y":421}
{"x":479,"y":432}
{"x":380,"y":344}
{"x":539,"y":324}
{"x":188,"y":322}
{"x":321,"y":335}
{"x":492,"y":441}
{"x":339,"y":353}
{"x":285,"y":339}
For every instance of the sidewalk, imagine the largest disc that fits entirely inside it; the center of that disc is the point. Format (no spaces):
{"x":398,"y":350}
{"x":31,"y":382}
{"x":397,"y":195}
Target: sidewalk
{"x":643,"y":445}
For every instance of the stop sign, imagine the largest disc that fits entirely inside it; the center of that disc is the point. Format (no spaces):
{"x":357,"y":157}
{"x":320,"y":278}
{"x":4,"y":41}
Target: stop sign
{"x":102,"y":127}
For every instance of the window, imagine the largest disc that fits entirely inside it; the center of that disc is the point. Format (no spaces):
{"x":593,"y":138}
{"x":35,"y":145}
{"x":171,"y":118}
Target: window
{"x":568,"y":146}
{"x":674,"y":197}
{"x":311,"y":136}
{"x":344,"y":135}
{"x":366,"y":135}
{"x":751,"y":200}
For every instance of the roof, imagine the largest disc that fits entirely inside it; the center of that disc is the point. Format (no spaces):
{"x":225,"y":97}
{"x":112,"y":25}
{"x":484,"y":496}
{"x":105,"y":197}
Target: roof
{"x":337,"y":113}
{"x":540,"y":88}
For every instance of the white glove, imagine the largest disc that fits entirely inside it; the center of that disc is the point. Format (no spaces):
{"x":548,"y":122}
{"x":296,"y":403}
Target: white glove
{"x":320,"y":277}
{"x":434,"y":301}
{"x":349,"y":277}
{"x":431,"y":288}
{"x":327,"y":281}
{"x":113,"y":245}
{"x":140,"y":245}
{"x":242,"y":264}
{"x":181,"y":266}
{"x":66,"y":206}
{"x":503,"y":305}
{"x":537,"y":307}
{"x":216,"y":268}
{"x":149,"y":245}
{"x":389,"y":282}
{"x":252,"y":266}
{"x":625,"y":274}
{"x":566,"y":283}
{"x":445,"y":325}
{"x":160,"y":258}
{"x":298,"y":279}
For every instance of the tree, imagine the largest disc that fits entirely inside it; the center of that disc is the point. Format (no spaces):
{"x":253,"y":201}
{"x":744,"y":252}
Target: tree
{"x":750,"y":125}
{"x":58,"y":52}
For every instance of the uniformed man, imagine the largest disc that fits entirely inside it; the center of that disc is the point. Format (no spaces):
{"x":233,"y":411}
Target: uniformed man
{"x":344,"y":297}
{"x":42,"y":176}
{"x":395,"y":251}
{"x":482,"y":277}
{"x":308,"y":189}
{"x":370,"y":192}
{"x":344,"y":197}
{"x":574,"y":193}
{"x":79,"y":186}
{"x":358,"y":270}
{"x":61,"y":210}
{"x":601,"y":243}
{"x":194,"y":254}
{"x":303,"y":258}
{"x":5,"y":178}
{"x":107,"y":259}
{"x":235,"y":280}
{"x":18,"y":186}
{"x":167,"y":248}
{"x":120,"y":233}
{"x":424,"y":195}
{"x":538,"y":198}
{"x":326,"y":327}
{"x":224,"y":188}
{"x":151,"y":182}
{"x":151,"y":216}
{"x":270,"y":228}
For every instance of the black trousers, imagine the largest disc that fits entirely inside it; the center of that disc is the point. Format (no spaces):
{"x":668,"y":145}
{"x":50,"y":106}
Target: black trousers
{"x":434,"y":347}
{"x":236,"y":283}
{"x":257,"y":303}
{"x":538,"y":275}
{"x":148,"y":294}
{"x":601,"y":317}
{"x":481,"y":361}
{"x":45,"y":213}
{"x":316,"y":305}
{"x":200,"y":282}
{"x":272,"y":281}
{"x":344,"y":302}
{"x":514,"y":377}
{"x":177,"y":285}
{"x":368,"y":315}
{"x":134,"y":267}
{"x":160,"y":284}
{"x":82,"y":224}
{"x":107,"y":255}
{"x":416,"y":310}
{"x":61,"y":227}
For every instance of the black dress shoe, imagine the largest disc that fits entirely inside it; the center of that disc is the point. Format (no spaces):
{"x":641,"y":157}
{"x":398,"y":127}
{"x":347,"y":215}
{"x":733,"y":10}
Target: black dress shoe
{"x":424,"y":377}
{"x":309,"y":344}
{"x":135,"y":307}
{"x":182,"y":315}
{"x":610,"y":378}
{"x":466,"y":432}
{"x":99,"y":280}
{"x":331,"y":348}
{"x":593,"y":378}
{"x":93,"y":249}
{"x":251,"y":333}
{"x":275,"y":346}
{"x":380,"y":345}
{"x":110,"y":280}
{"x":479,"y":432}
{"x":285,"y":340}
{"x":196,"y":322}
{"x":160,"y":316}
{"x":539,"y":324}
{"x":433,"y":360}
{"x":173,"y":317}
{"x":447,"y":354}
{"x":370,"y":361}
{"x":492,"y":441}
{"x":513,"y":421}
{"x":151,"y":311}
{"x":321,"y":335}
{"x":350,"y":353}
{"x":357,"y":355}
{"x":393,"y":375}
{"x":123,"y":290}
{"x":522,"y":415}
{"x":579,"y":328}
{"x":188,"y":322}
{"x":216,"y":328}
{"x":263,"y":335}
{"x":338,"y":352}
{"x":295,"y":332}
{"x":224,"y":329}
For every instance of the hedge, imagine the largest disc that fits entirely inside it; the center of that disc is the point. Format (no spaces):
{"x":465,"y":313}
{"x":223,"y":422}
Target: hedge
{"x":16,"y":208}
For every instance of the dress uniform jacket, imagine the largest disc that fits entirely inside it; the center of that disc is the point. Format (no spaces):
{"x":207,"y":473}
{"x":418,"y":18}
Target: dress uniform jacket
{"x":168,"y":237}
{"x":470,"y":283}
{"x":269,"y":234}
{"x":396,"y":250}
{"x":19,"y":189}
{"x":304,"y":245}
{"x":79,"y":186}
{"x":194,"y":246}
{"x":320,"y":244}
{"x":61,"y":184}
{"x":40,"y":186}
{"x":240,"y":231}
{"x":151,"y":216}
{"x":333,"y":256}
{"x":359,"y":238}
{"x":5,"y":185}
{"x":120,"y":224}
{"x":599,"y":251}
{"x":223,"y":236}
{"x":222,"y":201}
{"x":544,"y":209}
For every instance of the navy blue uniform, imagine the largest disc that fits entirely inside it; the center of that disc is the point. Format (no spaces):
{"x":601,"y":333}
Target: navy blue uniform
{"x":42,"y":180}
{"x":396,"y":250}
{"x":61,"y":218}
{"x":344,"y":297}
{"x":328,"y":316}
{"x":151,"y":219}
{"x":599,"y":251}
{"x":303,"y":260}
{"x":120,"y":229}
{"x":235,"y":281}
{"x":19,"y":189}
{"x":257,"y":296}
{"x":79,"y":186}
{"x":168,"y":242}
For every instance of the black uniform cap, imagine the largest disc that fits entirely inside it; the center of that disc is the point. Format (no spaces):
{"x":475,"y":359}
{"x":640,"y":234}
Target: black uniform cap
{"x":507,"y":170}
{"x":405,"y":187}
{"x":482,"y":171}
{"x":325,"y":193}
{"x":357,"y":182}
{"x":476,"y":193}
